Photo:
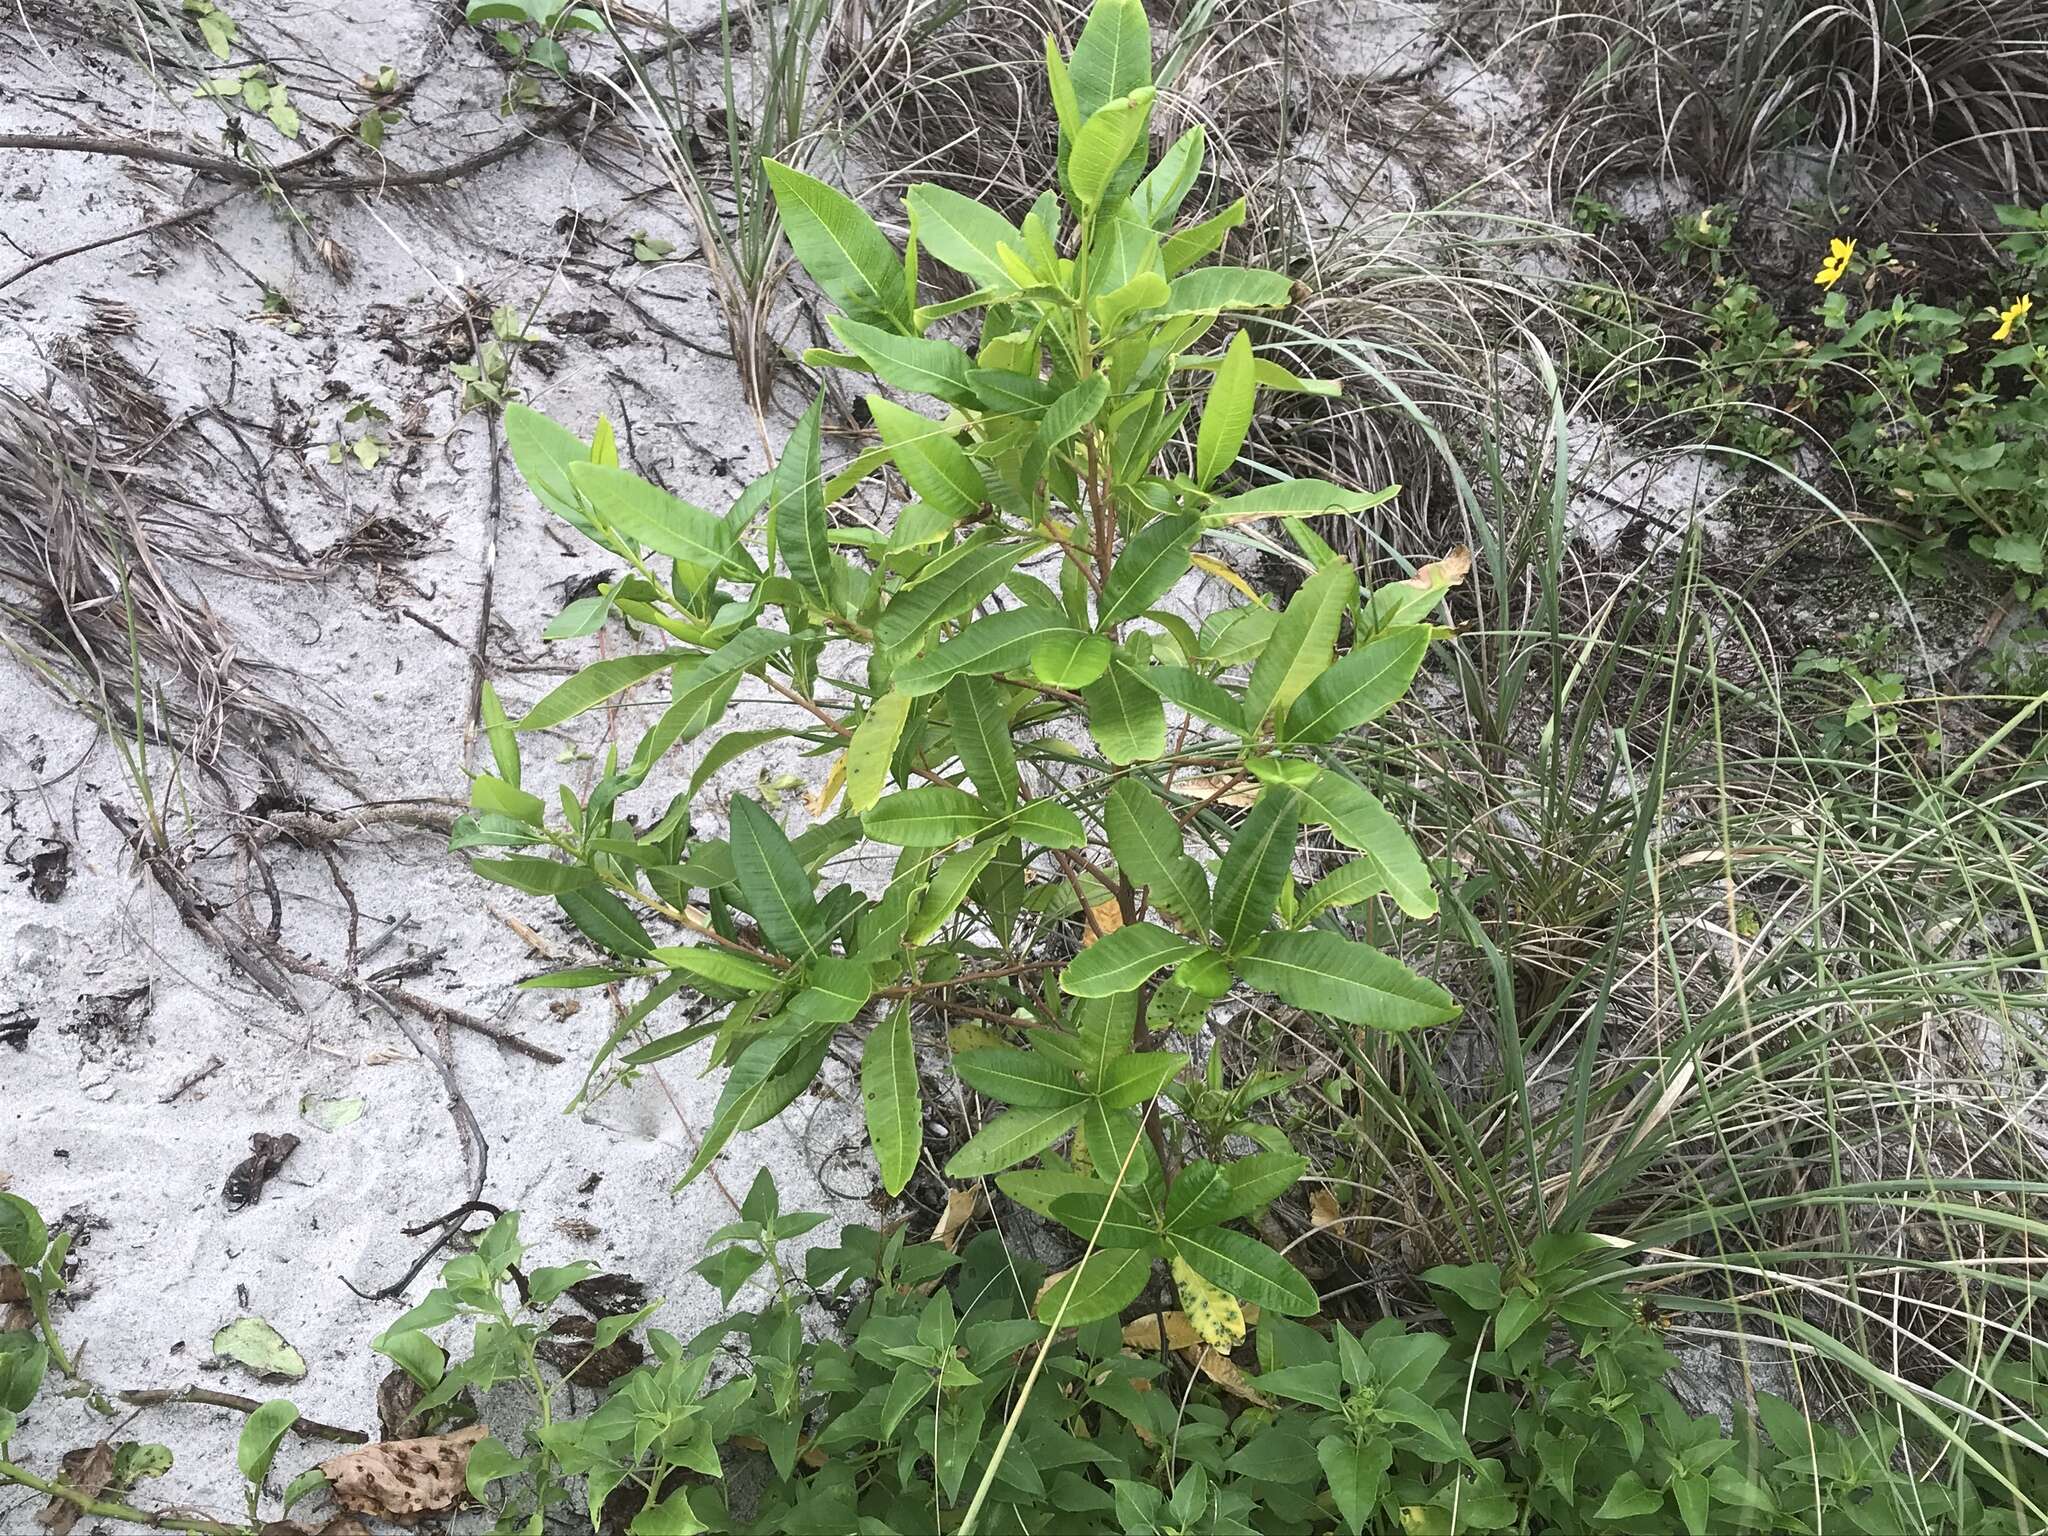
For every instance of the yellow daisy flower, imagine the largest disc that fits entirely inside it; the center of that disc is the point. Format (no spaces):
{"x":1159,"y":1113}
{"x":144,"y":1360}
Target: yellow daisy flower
{"x":1835,"y":263}
{"x":2018,"y":311}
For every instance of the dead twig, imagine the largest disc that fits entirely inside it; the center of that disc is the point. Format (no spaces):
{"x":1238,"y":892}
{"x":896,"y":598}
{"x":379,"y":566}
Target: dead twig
{"x":193,"y":1080}
{"x":306,"y":1429}
{"x":198,"y":914}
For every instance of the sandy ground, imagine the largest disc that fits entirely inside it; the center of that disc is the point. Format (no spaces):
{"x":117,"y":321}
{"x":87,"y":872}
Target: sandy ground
{"x":247,"y":337}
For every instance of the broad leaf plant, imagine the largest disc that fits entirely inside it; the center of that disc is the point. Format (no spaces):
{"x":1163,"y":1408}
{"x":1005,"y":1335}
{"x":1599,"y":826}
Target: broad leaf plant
{"x":1016,"y":695}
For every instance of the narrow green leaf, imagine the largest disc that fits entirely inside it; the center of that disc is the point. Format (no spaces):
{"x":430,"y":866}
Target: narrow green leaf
{"x":1072,"y":411}
{"x":720,"y":966}
{"x":797,"y":508}
{"x":1360,"y":687}
{"x":1360,"y":821}
{"x":541,"y":877}
{"x":1226,"y":413}
{"x":929,"y":816}
{"x":1046,"y":824}
{"x":1010,"y":1138}
{"x":1125,"y":717}
{"x":504,"y":746}
{"x":1248,"y":1269}
{"x":606,"y":921}
{"x":843,"y":249}
{"x":963,"y":234}
{"x":1103,"y":145}
{"x":542,"y":450}
{"x":1255,"y":870}
{"x":1152,"y":852}
{"x":1166,"y":186}
{"x":772,"y":880}
{"x":1110,"y":1280}
{"x":1185,"y":247}
{"x":1197,"y":695}
{"x":1210,"y":290}
{"x":998,"y":642}
{"x":1019,"y":1078}
{"x":930,"y":460}
{"x":590,"y":687}
{"x":1147,"y":568}
{"x":1302,"y":642}
{"x":950,"y":883}
{"x":980,"y":729}
{"x":1295,"y":498}
{"x":1113,"y":56}
{"x":1123,"y":960}
{"x":951,"y":585}
{"x":1320,"y":972}
{"x":768,"y":1075}
{"x":1138,"y":1078}
{"x":912,"y":363}
{"x":648,"y":515}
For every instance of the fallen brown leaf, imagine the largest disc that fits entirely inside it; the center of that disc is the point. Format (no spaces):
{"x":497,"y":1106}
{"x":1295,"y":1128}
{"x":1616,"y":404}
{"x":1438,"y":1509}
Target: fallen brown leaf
{"x":88,"y":1469}
{"x":1323,"y":1209}
{"x":1218,"y":788}
{"x":400,"y":1479}
{"x":959,"y":1212}
{"x":1224,"y":1371}
{"x":1445,"y":573}
{"x":1104,"y":918}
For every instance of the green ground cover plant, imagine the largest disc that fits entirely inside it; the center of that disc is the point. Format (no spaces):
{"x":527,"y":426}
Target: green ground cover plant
{"x":1935,"y":412}
{"x":1539,"y":1405}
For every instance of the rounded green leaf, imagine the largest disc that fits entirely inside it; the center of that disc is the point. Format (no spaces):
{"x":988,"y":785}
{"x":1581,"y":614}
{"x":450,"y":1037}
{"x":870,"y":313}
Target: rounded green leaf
{"x":260,"y":1437}
{"x":1067,"y":658}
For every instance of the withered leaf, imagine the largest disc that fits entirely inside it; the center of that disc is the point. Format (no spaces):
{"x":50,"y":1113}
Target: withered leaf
{"x":89,"y":1470}
{"x":403,"y":1479}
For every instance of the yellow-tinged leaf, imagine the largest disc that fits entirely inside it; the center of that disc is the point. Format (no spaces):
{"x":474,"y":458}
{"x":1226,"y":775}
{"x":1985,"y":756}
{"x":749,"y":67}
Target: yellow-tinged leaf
{"x":866,"y":761}
{"x":975,"y":1037}
{"x":1212,"y":1312}
{"x":1172,"y":1330}
{"x":1078,"y":1155}
{"x":1323,"y":1209}
{"x":1223,"y":572}
{"x":958,"y":1213}
{"x":821,"y":801}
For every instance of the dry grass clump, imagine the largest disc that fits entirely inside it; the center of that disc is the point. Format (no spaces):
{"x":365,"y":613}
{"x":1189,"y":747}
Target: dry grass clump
{"x":98,"y":550}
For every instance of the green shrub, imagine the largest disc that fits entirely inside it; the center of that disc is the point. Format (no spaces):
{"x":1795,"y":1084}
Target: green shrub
{"x":1008,"y":735}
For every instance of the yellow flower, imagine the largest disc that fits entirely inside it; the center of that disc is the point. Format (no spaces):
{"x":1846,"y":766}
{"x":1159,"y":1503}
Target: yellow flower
{"x":1835,"y":263}
{"x":2018,"y":311}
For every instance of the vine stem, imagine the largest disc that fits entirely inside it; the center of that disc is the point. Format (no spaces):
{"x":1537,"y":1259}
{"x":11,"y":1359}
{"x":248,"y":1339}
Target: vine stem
{"x":113,"y":1509}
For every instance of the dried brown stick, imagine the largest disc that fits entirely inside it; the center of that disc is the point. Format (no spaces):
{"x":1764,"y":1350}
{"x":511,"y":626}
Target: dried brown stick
{"x":476,"y":1149}
{"x":425,"y":1007}
{"x":309,"y":1429}
{"x":197,"y":914}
